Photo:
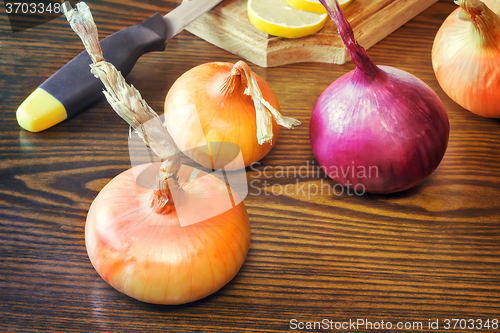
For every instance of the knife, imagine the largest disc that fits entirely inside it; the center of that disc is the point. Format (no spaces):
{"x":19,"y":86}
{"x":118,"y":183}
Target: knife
{"x":73,"y":87}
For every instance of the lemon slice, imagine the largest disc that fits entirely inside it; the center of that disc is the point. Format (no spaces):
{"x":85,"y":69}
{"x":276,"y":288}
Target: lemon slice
{"x":279,"y":18}
{"x":315,"y":5}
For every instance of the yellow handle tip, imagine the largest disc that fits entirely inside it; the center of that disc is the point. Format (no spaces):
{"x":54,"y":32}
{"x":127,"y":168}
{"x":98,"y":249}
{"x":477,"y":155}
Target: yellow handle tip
{"x":40,"y":111}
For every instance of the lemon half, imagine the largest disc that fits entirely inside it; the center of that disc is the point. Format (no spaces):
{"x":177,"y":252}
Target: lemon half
{"x":280,"y":18}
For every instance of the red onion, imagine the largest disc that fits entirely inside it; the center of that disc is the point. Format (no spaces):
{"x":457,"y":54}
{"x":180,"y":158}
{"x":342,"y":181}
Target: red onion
{"x":377,"y":128}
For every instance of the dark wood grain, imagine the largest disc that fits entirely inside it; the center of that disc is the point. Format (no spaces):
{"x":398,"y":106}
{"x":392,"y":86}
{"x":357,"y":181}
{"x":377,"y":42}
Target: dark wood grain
{"x":432,"y":252}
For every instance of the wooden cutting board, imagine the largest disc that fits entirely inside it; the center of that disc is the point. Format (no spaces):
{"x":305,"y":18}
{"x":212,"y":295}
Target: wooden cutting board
{"x":227,"y":26}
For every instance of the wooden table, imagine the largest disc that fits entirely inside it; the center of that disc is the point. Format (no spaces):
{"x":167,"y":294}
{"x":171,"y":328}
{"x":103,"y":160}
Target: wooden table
{"x":429,"y":253}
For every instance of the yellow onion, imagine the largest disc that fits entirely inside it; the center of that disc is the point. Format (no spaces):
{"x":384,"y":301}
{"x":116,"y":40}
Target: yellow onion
{"x":144,"y":252}
{"x":466,"y":56}
{"x":163,"y":232}
{"x":223,"y":103}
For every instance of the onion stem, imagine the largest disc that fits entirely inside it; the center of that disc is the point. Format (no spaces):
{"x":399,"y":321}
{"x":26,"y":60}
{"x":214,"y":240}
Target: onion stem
{"x":264,"y":124}
{"x":485,"y":23}
{"x":358,"y":54}
{"x":129,"y":105}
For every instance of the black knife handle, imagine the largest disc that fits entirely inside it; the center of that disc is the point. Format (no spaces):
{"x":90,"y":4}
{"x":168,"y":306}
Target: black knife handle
{"x":75,"y":87}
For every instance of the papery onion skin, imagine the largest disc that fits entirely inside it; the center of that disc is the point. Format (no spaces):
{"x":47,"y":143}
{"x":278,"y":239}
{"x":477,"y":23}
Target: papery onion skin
{"x":468,"y":69}
{"x":391,"y":126}
{"x":149,"y":256}
{"x":226,"y":114}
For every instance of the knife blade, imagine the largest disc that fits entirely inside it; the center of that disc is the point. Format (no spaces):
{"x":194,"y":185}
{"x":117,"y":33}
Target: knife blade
{"x":72,"y":88}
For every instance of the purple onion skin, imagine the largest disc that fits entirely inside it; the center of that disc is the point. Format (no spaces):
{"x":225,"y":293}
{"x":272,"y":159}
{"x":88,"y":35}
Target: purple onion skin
{"x":389,"y":124}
